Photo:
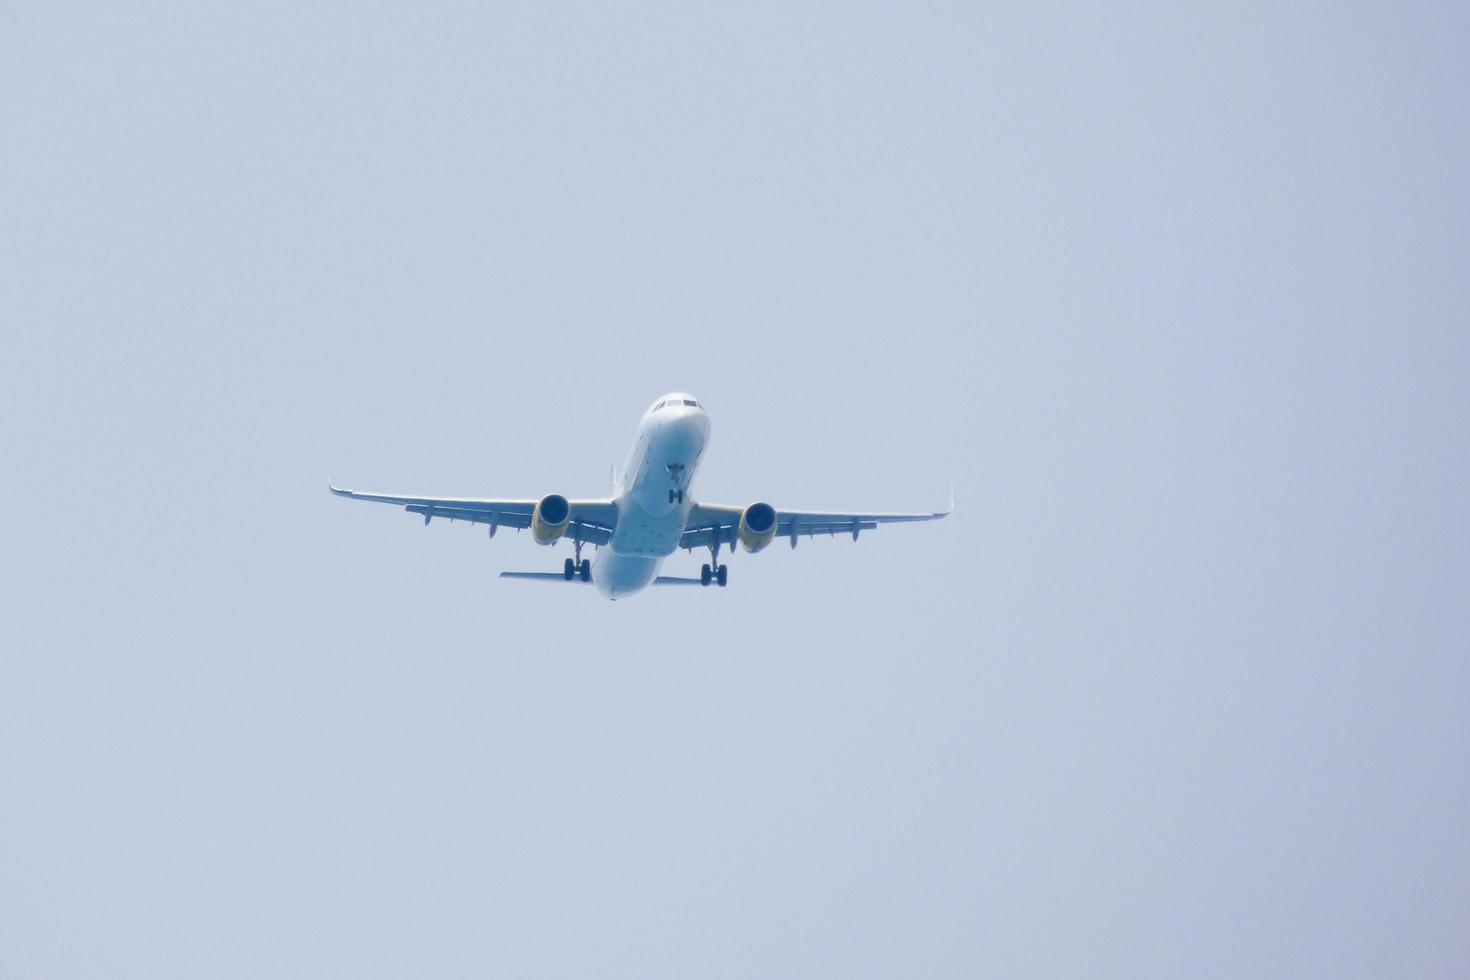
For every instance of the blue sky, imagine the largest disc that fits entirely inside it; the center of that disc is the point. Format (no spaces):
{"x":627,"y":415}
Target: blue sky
{"x":1176,"y":297}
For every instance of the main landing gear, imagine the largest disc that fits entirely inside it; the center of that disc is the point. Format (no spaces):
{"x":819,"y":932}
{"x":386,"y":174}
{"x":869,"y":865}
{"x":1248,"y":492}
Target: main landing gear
{"x":578,"y":567}
{"x":714,"y":571}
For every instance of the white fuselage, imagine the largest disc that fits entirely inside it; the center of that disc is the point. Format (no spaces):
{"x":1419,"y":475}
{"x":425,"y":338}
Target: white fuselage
{"x":652,"y":496}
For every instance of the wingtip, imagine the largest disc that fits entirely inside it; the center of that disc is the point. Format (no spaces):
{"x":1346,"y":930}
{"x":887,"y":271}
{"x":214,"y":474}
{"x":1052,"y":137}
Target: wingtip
{"x":950,"y":509}
{"x":338,"y":490}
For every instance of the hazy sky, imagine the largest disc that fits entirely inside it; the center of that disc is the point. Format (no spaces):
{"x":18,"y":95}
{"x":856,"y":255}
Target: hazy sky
{"x":1177,"y":295}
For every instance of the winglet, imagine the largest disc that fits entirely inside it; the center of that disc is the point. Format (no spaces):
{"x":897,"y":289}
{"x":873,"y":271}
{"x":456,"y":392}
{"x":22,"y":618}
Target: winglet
{"x":338,"y":490}
{"x":950,"y":509}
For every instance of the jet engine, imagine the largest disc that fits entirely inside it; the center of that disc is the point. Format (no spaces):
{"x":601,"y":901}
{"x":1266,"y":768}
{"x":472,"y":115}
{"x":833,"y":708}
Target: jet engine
{"x":550,"y":518}
{"x":757,"y":526}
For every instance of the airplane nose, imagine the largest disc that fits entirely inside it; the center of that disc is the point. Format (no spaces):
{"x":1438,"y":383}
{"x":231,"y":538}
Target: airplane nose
{"x":695,"y":422}
{"x":688,"y":416}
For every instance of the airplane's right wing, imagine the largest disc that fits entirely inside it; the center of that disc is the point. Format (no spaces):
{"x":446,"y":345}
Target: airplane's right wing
{"x":592,"y":521}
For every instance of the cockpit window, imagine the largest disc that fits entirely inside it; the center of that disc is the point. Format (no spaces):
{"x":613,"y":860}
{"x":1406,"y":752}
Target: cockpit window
{"x":658,"y":406}
{"x":691,"y":403}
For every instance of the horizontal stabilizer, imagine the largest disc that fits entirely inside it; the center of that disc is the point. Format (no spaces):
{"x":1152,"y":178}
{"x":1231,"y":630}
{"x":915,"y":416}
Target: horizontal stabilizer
{"x":548,"y":576}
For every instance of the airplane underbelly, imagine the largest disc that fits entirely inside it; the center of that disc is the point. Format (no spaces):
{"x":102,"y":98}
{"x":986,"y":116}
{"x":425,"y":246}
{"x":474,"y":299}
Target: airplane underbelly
{"x":642,"y":534}
{"x":618,"y":575}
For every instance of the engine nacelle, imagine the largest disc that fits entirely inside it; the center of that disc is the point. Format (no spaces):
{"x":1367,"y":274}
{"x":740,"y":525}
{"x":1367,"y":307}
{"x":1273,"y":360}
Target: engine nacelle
{"x":550,"y":518}
{"x":757,"y":526}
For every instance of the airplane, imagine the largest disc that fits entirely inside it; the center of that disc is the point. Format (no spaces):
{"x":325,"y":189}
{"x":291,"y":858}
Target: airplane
{"x":650,"y":514}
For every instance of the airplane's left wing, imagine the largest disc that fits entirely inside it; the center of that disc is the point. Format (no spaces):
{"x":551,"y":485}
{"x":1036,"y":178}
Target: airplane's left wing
{"x":709,"y":523}
{"x":592,"y":521}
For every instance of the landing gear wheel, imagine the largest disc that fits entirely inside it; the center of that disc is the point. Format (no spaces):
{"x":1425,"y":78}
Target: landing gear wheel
{"x":722,"y":575}
{"x":584,"y":571}
{"x":568,"y":570}
{"x":705,"y":575}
